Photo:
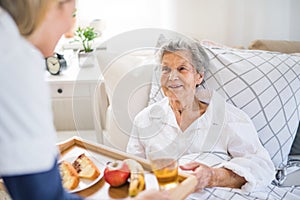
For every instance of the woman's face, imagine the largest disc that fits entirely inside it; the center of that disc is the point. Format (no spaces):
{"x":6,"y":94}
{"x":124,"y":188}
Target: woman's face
{"x":62,"y":15}
{"x":57,"y":21}
{"x":178,"y":76}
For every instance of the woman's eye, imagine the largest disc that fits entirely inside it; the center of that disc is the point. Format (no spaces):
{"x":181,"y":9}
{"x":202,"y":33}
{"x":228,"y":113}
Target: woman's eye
{"x":182,"y":68}
{"x":165,"y":69}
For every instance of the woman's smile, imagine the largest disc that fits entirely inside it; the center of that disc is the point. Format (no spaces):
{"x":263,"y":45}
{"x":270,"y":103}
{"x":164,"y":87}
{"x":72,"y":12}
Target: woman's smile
{"x":175,"y":86}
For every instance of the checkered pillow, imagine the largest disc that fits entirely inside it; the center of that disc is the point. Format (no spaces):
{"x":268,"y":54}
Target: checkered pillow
{"x":266,"y":85}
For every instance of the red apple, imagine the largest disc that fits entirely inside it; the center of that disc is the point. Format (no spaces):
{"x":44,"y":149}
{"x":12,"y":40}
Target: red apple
{"x":116,"y":173}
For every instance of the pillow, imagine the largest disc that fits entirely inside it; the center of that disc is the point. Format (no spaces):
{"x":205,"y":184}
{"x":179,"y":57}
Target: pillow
{"x":266,"y":85}
{"x":282,"y":46}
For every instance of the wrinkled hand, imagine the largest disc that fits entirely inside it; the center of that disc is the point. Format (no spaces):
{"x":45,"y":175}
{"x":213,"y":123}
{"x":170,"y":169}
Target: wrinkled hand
{"x":203,"y":173}
{"x":153,"y":194}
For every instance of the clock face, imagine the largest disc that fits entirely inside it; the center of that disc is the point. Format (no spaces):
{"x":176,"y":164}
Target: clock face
{"x":53,"y":65}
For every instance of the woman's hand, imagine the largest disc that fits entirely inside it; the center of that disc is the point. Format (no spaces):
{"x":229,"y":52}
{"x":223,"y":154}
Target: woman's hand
{"x":214,"y":177}
{"x":203,"y":173}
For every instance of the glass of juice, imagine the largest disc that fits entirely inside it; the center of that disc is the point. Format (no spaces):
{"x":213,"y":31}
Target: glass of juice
{"x":164,"y":165}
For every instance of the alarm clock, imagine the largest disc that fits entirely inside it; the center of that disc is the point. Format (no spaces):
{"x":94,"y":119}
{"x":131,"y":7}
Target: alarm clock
{"x":56,"y":63}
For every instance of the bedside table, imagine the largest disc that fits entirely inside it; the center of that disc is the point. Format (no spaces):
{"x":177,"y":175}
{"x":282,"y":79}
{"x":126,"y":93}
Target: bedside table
{"x":75,"y":95}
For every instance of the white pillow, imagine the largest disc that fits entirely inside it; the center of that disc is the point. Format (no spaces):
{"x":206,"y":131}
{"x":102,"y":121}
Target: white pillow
{"x":266,"y":85}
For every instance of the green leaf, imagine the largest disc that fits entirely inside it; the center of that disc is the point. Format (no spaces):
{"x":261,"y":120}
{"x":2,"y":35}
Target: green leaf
{"x":86,"y":36}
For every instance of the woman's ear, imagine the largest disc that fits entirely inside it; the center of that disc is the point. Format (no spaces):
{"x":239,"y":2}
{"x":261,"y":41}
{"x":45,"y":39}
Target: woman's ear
{"x":199,"y":78}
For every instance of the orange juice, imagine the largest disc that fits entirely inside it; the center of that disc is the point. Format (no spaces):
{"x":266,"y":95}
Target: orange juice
{"x":166,"y":172}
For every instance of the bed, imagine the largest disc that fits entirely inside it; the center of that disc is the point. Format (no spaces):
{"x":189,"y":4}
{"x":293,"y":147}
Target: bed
{"x":265,"y":84}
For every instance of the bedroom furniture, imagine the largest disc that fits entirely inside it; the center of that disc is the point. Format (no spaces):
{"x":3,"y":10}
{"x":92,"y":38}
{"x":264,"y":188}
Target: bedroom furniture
{"x":75,"y":96}
{"x":282,"y":46}
{"x":265,"y":84}
{"x":243,"y":81}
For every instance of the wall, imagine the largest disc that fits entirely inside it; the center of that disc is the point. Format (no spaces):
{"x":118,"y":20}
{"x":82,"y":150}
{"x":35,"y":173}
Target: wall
{"x":294,"y":20}
{"x":231,"y":22}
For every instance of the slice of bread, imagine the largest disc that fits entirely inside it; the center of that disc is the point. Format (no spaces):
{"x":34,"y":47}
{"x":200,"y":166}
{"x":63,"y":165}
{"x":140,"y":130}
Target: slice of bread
{"x":85,"y":167}
{"x":69,"y":175}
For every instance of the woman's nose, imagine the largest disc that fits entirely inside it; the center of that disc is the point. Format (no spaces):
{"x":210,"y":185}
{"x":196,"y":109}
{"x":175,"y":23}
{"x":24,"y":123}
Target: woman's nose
{"x":173,"y":75}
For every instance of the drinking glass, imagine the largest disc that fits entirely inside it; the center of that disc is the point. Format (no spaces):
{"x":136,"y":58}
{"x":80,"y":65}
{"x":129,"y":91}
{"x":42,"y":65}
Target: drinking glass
{"x":164,"y":165}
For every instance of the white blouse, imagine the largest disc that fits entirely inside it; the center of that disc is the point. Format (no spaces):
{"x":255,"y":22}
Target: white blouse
{"x":234,"y":145}
{"x":27,"y":134}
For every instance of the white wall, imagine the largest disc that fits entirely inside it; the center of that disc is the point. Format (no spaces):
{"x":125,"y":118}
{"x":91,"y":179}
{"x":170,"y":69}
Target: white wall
{"x":294,"y":20}
{"x":231,"y":22}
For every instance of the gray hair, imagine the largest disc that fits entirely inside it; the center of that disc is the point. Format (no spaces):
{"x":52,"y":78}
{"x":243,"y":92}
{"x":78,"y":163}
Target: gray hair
{"x":199,"y":57}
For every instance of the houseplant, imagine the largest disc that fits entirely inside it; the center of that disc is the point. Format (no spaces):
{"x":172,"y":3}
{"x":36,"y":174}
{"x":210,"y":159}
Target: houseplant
{"x":86,"y":37}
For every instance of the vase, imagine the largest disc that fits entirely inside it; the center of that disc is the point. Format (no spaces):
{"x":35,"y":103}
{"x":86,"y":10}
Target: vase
{"x":87,"y":59}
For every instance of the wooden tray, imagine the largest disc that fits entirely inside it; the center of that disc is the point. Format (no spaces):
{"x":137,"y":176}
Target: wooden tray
{"x":103,"y":154}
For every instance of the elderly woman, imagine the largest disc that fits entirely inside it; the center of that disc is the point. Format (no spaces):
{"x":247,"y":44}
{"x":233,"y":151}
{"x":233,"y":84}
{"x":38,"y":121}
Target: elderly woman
{"x":220,"y":137}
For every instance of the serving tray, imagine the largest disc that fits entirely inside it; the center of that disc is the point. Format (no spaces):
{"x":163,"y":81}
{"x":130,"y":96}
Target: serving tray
{"x":102,"y":154}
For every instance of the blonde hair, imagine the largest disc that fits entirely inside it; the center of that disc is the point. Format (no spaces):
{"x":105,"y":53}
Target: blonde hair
{"x":28,"y":14}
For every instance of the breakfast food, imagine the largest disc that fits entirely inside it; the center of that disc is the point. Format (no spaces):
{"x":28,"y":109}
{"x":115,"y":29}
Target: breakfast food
{"x":137,"y":177}
{"x":70,"y":178}
{"x":85,"y":167}
{"x":116,"y":173}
